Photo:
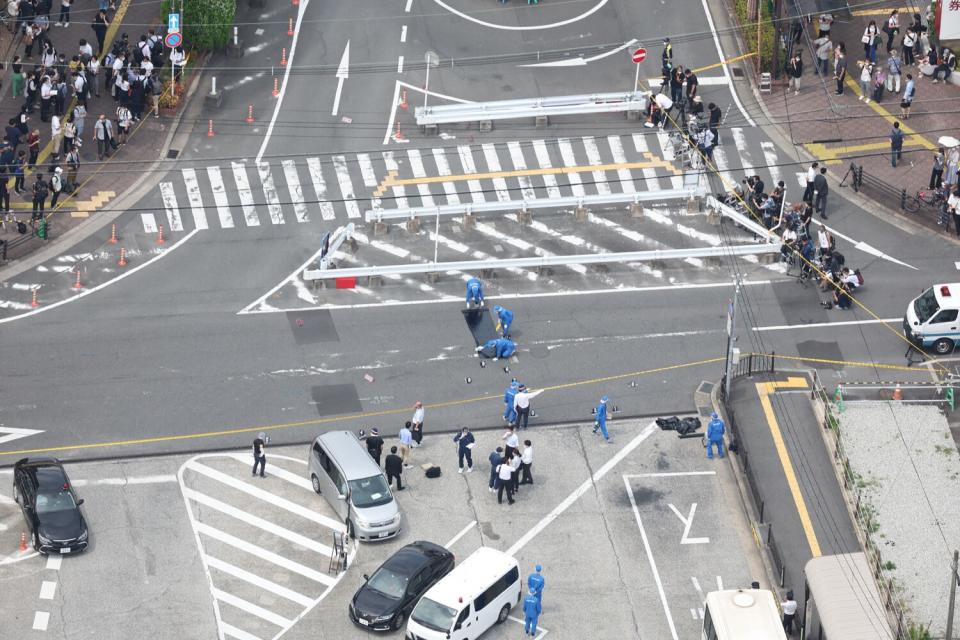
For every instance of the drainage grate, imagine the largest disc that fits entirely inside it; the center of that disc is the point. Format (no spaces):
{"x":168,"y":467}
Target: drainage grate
{"x":173,"y":154}
{"x":737,"y":72}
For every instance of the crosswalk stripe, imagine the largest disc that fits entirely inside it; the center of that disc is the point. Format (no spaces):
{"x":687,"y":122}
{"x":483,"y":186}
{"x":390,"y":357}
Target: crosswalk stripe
{"x":772,"y":160}
{"x":741,"y":143}
{"x":650,"y":180}
{"x":520,"y":164}
{"x":277,"y":472}
{"x":296,"y":191}
{"x":593,"y":157}
{"x":266,"y":496}
{"x":399,"y":193}
{"x":543,"y":159}
{"x":220,"y":197}
{"x":170,"y":205}
{"x":570,"y":160}
{"x":523,"y":245}
{"x":466,"y":159}
{"x":416,"y":164}
{"x":802,"y":179}
{"x":249,"y":607}
{"x":723,"y":167}
{"x":443,"y":169}
{"x":366,"y":170}
{"x":626,"y":178}
{"x":234,"y":632}
{"x":346,"y":186}
{"x":270,"y":193}
{"x":195,"y":199}
{"x":493,"y":164}
{"x":149,"y":223}
{"x":263,"y":583}
{"x":260,"y":523}
{"x":263,"y":554}
{"x":320,"y":187}
{"x":666,"y":149}
{"x":246,"y":196}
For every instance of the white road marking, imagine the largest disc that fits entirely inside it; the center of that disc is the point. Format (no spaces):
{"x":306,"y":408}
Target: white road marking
{"x":233,"y":632}
{"x":257,"y":581}
{"x":249,"y":607}
{"x":366,"y":170}
{"x":466,"y":159}
{"x":443,"y":169}
{"x":493,"y":165}
{"x":726,"y":72}
{"x":580,"y":61}
{"x":403,"y":34}
{"x":523,"y":245}
{"x":409,"y":4}
{"x":543,"y":159}
{"x":254,"y":521}
{"x":54,"y":562}
{"x":264,"y":554}
{"x":653,"y":563}
{"x":666,"y":149}
{"x":520,"y":164}
{"x":124,"y":481}
{"x":698,"y":589}
{"x":346,"y":186}
{"x":462,"y":533}
{"x":687,"y":523}
{"x":650,"y":180}
{"x":194,"y":198}
{"x":400,"y":64}
{"x":219,"y":190}
{"x":278,"y":472}
{"x":245,"y":195}
{"x":15,"y":433}
{"x":866,"y":248}
{"x":270,"y":193}
{"x":772,"y":160}
{"x":740,"y":141}
{"x":320,"y":187}
{"x":416,"y":165}
{"x":570,"y":160}
{"x":266,"y":496}
{"x":587,"y":485}
{"x":399,"y":192}
{"x":619,"y":157}
{"x":301,"y":11}
{"x":819,"y":325}
{"x":492,"y":25}
{"x":292,"y":178}
{"x":170,"y":206}
{"x":40,"y":620}
{"x":593,"y":157}
{"x":48,"y":589}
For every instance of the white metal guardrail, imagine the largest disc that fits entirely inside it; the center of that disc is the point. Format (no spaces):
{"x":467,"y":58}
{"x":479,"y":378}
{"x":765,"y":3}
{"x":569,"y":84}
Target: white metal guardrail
{"x":545,"y":261}
{"x":379,"y":215}
{"x":531,"y":108}
{"x":741,"y":219}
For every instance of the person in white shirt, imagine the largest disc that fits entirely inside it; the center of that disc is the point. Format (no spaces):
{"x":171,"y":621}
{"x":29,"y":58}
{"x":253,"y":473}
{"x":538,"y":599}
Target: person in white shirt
{"x":504,"y":477}
{"x":416,"y":423}
{"x":823,"y":240}
{"x":512,"y":442}
{"x":521,"y":404}
{"x":56,"y":135}
{"x":526,"y":461}
{"x":515,"y":463}
{"x":952,"y":203}
{"x":789,"y":607}
{"x":811,"y":175}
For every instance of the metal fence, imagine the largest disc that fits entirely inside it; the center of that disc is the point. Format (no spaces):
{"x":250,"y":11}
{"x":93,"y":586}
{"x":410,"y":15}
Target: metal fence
{"x":7,"y":246}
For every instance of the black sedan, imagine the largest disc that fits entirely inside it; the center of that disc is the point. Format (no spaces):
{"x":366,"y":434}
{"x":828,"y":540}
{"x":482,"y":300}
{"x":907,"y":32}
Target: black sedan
{"x":51,"y":508}
{"x":385,"y":600}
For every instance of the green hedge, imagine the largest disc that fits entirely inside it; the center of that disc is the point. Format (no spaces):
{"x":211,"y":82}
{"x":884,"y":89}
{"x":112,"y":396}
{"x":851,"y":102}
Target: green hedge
{"x":768,"y":35}
{"x":206,"y":24}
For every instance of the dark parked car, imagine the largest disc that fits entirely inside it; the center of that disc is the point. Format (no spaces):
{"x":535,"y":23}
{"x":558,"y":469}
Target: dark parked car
{"x":51,"y":508}
{"x":385,"y":600}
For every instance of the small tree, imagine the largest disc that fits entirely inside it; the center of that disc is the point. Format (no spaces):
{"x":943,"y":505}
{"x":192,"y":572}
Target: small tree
{"x":206,"y":24}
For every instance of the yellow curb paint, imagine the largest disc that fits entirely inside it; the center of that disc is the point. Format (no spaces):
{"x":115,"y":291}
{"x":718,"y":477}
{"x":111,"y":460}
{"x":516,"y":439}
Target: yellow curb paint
{"x":832,"y":155}
{"x":764,"y":389}
{"x":884,"y":12}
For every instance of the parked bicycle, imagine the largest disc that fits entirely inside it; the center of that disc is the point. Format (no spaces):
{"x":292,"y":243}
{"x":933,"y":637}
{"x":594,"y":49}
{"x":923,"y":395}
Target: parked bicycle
{"x":929,"y":198}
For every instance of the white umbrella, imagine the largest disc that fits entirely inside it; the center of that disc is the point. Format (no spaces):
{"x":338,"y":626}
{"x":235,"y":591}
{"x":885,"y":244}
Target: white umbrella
{"x":948,"y":142}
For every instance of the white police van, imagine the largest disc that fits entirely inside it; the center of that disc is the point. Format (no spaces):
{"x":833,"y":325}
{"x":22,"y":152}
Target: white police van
{"x":931,"y":321}
{"x":476,"y":595}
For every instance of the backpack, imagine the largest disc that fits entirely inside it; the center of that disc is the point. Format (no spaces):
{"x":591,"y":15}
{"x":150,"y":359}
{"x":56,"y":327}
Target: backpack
{"x":433,"y":472}
{"x":41,"y":190}
{"x":859,"y":275}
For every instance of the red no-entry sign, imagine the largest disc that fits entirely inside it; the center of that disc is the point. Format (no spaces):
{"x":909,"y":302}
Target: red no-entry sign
{"x":639,"y":55}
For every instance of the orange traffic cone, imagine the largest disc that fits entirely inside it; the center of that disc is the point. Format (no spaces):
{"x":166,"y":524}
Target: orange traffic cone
{"x":23,"y":541}
{"x":250,"y":114}
{"x":403,"y":101}
{"x":296,"y":3}
{"x":210,"y":129}
{"x":160,"y":239}
{"x":276,"y":87}
{"x":398,"y":135}
{"x":77,"y":285}
{"x":283,"y":57}
{"x":122,"y":262}
{"x":33,"y":299}
{"x":113,"y":234}
{"x":898,"y":393}
{"x":290,"y":28}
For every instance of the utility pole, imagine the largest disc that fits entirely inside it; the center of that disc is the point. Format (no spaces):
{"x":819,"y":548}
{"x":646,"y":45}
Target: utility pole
{"x":731,"y":335}
{"x":953,"y":595}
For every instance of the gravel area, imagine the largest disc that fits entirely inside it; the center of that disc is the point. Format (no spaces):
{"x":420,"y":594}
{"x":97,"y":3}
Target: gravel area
{"x":909,"y":472}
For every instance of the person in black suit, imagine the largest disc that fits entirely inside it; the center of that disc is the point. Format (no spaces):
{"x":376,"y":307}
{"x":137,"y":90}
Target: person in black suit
{"x":394,"y":468}
{"x":375,"y":445}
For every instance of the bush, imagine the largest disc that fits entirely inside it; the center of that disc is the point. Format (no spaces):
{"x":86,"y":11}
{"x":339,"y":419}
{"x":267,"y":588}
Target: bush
{"x":748,"y":29}
{"x":206,"y":25}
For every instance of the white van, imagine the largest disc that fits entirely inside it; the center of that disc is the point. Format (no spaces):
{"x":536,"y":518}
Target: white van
{"x":931,"y":319}
{"x":473,"y":597}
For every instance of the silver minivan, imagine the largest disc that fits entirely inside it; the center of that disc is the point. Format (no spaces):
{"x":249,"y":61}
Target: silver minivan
{"x":342,"y":471}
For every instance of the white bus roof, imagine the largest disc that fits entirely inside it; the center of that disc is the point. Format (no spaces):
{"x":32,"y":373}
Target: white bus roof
{"x":471,"y":577}
{"x":745,"y":614}
{"x":847,"y":599}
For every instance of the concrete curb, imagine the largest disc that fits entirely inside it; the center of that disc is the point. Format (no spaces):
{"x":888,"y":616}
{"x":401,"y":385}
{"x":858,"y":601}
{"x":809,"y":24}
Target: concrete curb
{"x":118,"y":207}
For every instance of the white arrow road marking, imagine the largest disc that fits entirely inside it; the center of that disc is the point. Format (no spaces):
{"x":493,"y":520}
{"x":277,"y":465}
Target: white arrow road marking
{"x":15,"y":434}
{"x":343,"y":72}
{"x":687,"y":522}
{"x":866,"y":248}
{"x":580,"y":61}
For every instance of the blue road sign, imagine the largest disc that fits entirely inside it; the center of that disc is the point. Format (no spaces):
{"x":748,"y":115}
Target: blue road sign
{"x":173,"y":23}
{"x":173,"y":40}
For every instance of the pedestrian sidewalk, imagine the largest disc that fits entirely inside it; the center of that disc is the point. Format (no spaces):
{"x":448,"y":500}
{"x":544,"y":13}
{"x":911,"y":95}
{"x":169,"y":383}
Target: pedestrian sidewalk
{"x":100,"y":182}
{"x":842,"y":129}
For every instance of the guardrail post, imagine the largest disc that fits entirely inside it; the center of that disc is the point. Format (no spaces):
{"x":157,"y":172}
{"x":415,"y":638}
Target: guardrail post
{"x":524,"y":216}
{"x":903,"y":198}
{"x":413,"y":225}
{"x":3,"y":250}
{"x":581,"y":213}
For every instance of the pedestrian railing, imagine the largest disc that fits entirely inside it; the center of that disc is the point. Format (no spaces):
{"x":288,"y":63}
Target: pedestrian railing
{"x":7,"y":246}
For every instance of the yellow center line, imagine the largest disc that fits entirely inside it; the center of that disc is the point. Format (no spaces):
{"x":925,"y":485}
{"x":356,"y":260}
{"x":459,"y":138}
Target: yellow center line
{"x":392,"y":181}
{"x":764,"y":389}
{"x":727,"y":61}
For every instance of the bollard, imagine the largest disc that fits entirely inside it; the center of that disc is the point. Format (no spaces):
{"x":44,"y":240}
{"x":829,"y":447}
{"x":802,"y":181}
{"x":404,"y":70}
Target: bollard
{"x":213,"y":85}
{"x":236,"y":41}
